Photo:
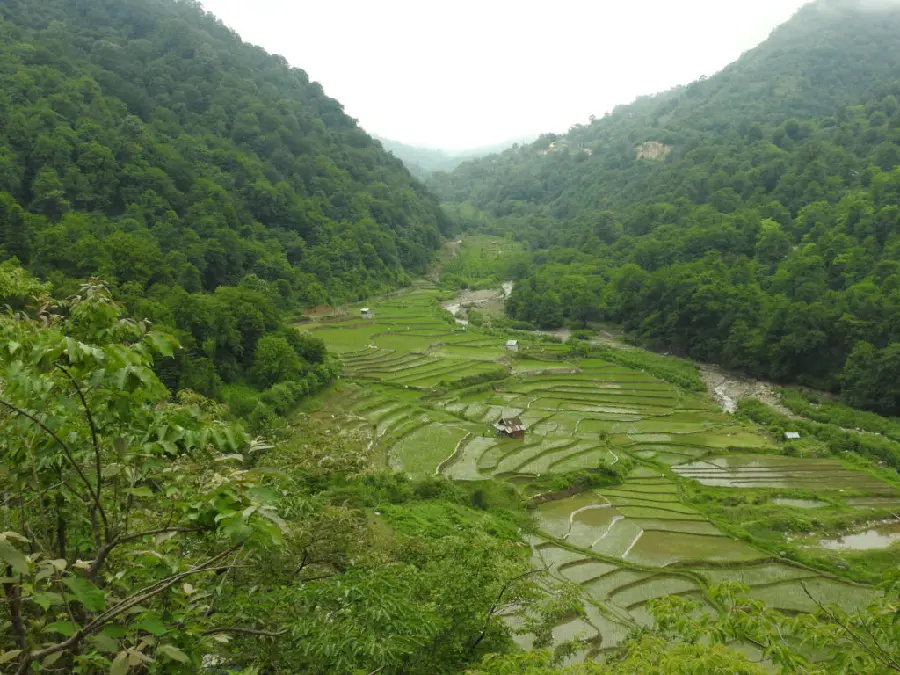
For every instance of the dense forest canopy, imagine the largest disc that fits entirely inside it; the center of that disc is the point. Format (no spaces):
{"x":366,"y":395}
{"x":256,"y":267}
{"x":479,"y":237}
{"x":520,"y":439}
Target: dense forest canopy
{"x":750,"y":218}
{"x":213,"y":185}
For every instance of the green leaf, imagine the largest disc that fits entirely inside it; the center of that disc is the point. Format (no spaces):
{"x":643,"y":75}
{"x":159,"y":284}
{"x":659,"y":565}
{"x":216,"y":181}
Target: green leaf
{"x":52,"y":658}
{"x":120,"y":664}
{"x":173,"y":653}
{"x":169,"y":447}
{"x":47,"y":600}
{"x":142,"y":491}
{"x":263,"y":495}
{"x":111,"y":470}
{"x":113,"y":631}
{"x":6,"y":657}
{"x":163,"y":344}
{"x":105,"y":644}
{"x":220,"y":440}
{"x":44,"y":573}
{"x":86,"y":593}
{"x":152,"y":624}
{"x":14,"y":535}
{"x":64,"y":628}
{"x":73,"y":349}
{"x":13,"y":557}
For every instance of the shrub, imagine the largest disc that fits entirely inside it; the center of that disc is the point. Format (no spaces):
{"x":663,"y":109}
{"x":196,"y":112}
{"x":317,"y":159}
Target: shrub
{"x":275,"y":361}
{"x":240,"y":398}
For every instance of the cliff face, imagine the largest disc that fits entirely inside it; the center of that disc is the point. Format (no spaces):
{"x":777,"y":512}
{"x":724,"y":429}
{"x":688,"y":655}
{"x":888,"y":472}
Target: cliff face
{"x":653,"y":150}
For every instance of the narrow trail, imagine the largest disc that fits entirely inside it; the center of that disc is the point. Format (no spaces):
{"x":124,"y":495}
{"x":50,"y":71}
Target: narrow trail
{"x":462,"y":442}
{"x":608,"y":529}
{"x":583,"y":508}
{"x":632,"y":544}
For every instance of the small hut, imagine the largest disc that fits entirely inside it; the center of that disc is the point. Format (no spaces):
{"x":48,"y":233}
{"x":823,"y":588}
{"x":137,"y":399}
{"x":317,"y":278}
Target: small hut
{"x":367,"y":313}
{"x":791,"y":436}
{"x":512,"y":345}
{"x":510,"y":427}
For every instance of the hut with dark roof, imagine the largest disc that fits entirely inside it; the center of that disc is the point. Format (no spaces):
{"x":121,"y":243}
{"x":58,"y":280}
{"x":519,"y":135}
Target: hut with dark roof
{"x":510,"y":427}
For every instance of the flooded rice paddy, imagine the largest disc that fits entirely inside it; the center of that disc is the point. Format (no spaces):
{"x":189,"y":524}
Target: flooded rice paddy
{"x":430,"y":390}
{"x":882,"y":536}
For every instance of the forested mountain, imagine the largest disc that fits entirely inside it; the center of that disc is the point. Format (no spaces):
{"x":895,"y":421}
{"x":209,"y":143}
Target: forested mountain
{"x":749,"y":219}
{"x":832,"y":53}
{"x":209,"y":182}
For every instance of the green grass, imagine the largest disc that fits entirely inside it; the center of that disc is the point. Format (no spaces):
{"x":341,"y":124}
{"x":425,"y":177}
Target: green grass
{"x":420,"y":453}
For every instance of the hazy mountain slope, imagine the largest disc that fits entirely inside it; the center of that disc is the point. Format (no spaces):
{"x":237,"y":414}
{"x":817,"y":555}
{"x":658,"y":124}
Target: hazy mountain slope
{"x":143,"y":141}
{"x":422,"y":162}
{"x":830,"y":54}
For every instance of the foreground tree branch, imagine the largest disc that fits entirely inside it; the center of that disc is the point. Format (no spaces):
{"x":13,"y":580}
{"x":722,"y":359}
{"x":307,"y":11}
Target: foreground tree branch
{"x":496,"y":603}
{"x":244,"y":631}
{"x":104,"y":551}
{"x":100,"y":621}
{"x":877,"y":653}
{"x":98,"y":465}
{"x":66,"y":449}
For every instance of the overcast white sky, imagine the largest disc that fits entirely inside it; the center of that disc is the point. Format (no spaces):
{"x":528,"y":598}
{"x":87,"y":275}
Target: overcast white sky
{"x":459,"y":74}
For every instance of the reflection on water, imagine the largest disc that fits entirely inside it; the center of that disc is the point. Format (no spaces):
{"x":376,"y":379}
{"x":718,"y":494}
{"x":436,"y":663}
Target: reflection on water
{"x":799,"y":503}
{"x":878,"y":537}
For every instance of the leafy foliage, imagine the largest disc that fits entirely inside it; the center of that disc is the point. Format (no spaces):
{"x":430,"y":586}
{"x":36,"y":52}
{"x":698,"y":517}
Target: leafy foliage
{"x":686,"y":641}
{"x":118,"y":504}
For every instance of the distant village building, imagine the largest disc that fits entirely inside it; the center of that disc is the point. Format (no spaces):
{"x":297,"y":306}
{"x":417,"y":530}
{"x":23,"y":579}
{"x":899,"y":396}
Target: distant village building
{"x":791,"y":436}
{"x":512,"y":345}
{"x":510,"y":427}
{"x":367,"y":313}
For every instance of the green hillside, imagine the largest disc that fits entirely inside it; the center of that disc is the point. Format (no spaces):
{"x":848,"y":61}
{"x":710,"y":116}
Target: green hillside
{"x":748,"y":219}
{"x":144,"y":142}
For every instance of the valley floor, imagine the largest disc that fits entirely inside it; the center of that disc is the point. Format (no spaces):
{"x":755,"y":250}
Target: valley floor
{"x":704,"y":494}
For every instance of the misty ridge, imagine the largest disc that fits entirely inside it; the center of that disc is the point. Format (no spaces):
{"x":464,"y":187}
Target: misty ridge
{"x":850,"y":5}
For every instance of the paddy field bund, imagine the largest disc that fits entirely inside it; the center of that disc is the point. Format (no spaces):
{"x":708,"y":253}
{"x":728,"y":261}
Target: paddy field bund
{"x":428,"y":391}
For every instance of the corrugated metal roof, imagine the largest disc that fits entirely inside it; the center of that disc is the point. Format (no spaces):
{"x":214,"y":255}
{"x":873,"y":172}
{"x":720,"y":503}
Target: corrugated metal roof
{"x":510,"y":424}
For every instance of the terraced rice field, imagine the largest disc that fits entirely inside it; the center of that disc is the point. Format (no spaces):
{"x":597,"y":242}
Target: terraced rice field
{"x":779,"y":472}
{"x":411,"y":375}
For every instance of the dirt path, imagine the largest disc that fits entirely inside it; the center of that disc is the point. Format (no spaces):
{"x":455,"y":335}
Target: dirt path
{"x":607,"y":338}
